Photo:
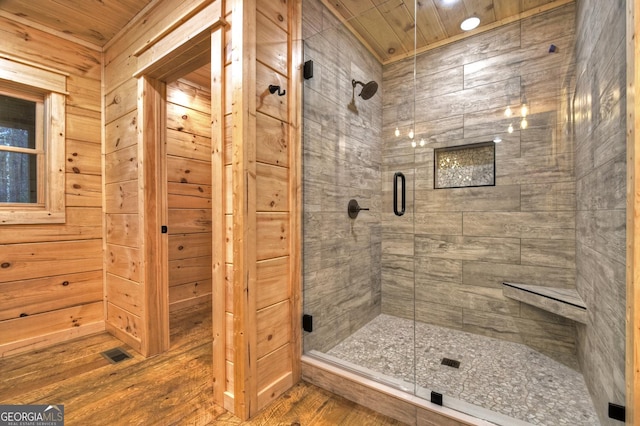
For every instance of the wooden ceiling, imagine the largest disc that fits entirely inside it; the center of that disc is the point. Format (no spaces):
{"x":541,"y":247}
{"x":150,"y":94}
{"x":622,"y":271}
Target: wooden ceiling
{"x":94,"y":22}
{"x":386,"y":27}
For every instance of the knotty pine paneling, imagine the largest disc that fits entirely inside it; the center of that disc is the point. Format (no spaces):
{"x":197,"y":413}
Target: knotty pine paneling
{"x":272,"y":183}
{"x":83,"y":190}
{"x":125,"y":325}
{"x":121,"y":197}
{"x":27,"y":42}
{"x":272,"y":235}
{"x":274,"y":327}
{"x":272,"y":44}
{"x":190,"y":294}
{"x":189,"y":168}
{"x":122,"y":165}
{"x":124,"y":293}
{"x":121,"y":132}
{"x":271,"y":281}
{"x":122,"y":229}
{"x":35,"y":260}
{"x":267,"y":103}
{"x":189,"y":270}
{"x":83,"y":158}
{"x":182,"y":246}
{"x":37,"y":295}
{"x":83,"y":125}
{"x":120,"y":101}
{"x":189,"y":192}
{"x":274,"y":366}
{"x":67,"y":320}
{"x":183,"y":144}
{"x":272,"y":141}
{"x":80,"y":225}
{"x":123,"y":261}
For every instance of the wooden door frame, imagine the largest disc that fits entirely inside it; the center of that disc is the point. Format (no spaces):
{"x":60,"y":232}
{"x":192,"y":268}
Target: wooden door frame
{"x":180,"y":48}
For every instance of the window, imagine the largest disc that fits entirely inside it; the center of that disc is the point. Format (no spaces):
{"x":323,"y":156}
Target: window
{"x":21,"y":149}
{"x":32,"y":108}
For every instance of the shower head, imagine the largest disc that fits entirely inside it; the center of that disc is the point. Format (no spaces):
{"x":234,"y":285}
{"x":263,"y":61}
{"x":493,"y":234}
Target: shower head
{"x":368,"y":90}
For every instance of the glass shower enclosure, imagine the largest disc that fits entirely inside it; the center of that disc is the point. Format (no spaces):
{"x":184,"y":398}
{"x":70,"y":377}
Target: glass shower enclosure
{"x":414,"y":187}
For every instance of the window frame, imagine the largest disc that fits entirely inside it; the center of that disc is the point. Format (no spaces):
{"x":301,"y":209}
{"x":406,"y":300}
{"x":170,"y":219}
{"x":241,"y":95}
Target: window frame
{"x":26,"y":80}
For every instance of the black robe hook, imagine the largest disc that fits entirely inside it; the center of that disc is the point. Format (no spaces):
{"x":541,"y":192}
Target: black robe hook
{"x":273,"y":89}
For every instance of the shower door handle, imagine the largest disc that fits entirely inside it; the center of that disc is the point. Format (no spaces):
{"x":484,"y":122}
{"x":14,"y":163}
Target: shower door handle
{"x":398,"y":176}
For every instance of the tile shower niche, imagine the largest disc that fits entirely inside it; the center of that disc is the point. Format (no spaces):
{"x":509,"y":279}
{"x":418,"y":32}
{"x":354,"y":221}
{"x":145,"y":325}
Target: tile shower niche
{"x":464,"y":166}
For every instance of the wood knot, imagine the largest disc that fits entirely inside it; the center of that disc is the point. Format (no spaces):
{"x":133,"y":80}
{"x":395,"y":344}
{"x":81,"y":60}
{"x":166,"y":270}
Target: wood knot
{"x":5,"y":265}
{"x":180,"y":247}
{"x":76,"y":186}
{"x":269,"y":337}
{"x":184,"y":117}
{"x":65,"y":283}
{"x":22,"y":315}
{"x":76,"y":170}
{"x":280,"y":18}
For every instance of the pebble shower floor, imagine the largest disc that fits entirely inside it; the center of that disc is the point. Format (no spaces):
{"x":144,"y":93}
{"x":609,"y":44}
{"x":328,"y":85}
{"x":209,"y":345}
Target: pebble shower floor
{"x":504,"y":377}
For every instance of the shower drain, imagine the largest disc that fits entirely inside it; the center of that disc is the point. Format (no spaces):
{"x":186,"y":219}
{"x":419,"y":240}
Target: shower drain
{"x":450,"y":362}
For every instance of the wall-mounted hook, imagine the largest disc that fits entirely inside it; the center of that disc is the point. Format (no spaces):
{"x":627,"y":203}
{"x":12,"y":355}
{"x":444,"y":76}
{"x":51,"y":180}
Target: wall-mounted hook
{"x":276,"y":89}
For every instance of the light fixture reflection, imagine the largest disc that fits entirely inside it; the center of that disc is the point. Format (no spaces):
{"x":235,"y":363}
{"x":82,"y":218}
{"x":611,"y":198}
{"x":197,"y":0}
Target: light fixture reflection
{"x":411,"y":134}
{"x":414,"y":144}
{"x":508,"y":112}
{"x":497,"y":139}
{"x":397,"y":132}
{"x":524,"y":124}
{"x":422,"y":142}
{"x":524,"y":110}
{"x":510,"y":129}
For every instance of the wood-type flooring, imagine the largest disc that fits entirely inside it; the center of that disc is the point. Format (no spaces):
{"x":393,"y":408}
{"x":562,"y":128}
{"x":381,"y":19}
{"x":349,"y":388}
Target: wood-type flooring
{"x":173,"y":388}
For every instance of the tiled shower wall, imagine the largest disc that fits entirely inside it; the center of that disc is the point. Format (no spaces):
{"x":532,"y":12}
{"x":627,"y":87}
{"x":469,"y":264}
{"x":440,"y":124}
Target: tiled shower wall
{"x":467,"y":241}
{"x":342,"y":160}
{"x":600,"y":133}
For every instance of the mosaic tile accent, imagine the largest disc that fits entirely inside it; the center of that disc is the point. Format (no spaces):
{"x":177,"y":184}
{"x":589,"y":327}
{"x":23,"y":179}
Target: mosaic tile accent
{"x":508,"y":378}
{"x":467,"y":165}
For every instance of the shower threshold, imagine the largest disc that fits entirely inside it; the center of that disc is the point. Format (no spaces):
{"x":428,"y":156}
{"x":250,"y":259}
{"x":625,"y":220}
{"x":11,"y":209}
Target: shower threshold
{"x":337,"y":372}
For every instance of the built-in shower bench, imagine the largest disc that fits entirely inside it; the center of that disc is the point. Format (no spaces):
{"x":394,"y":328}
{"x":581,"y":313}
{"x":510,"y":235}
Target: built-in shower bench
{"x":560,"y":301}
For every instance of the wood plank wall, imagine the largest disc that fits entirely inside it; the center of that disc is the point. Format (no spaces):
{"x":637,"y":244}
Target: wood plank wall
{"x":275,"y":346}
{"x":124,"y":289}
{"x":262,"y":349}
{"x":266,"y":347}
{"x":189,"y":191}
{"x":51,"y":275}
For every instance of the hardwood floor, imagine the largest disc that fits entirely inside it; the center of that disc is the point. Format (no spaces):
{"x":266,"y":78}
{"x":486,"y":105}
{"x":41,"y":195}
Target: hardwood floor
{"x":173,"y":388}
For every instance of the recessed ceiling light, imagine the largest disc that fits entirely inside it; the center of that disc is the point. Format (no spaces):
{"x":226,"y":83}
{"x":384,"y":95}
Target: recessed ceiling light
{"x":470,"y":23}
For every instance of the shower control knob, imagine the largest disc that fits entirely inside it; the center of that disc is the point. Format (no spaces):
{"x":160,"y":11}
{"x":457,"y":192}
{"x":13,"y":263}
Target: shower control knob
{"x":353,"y":209}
